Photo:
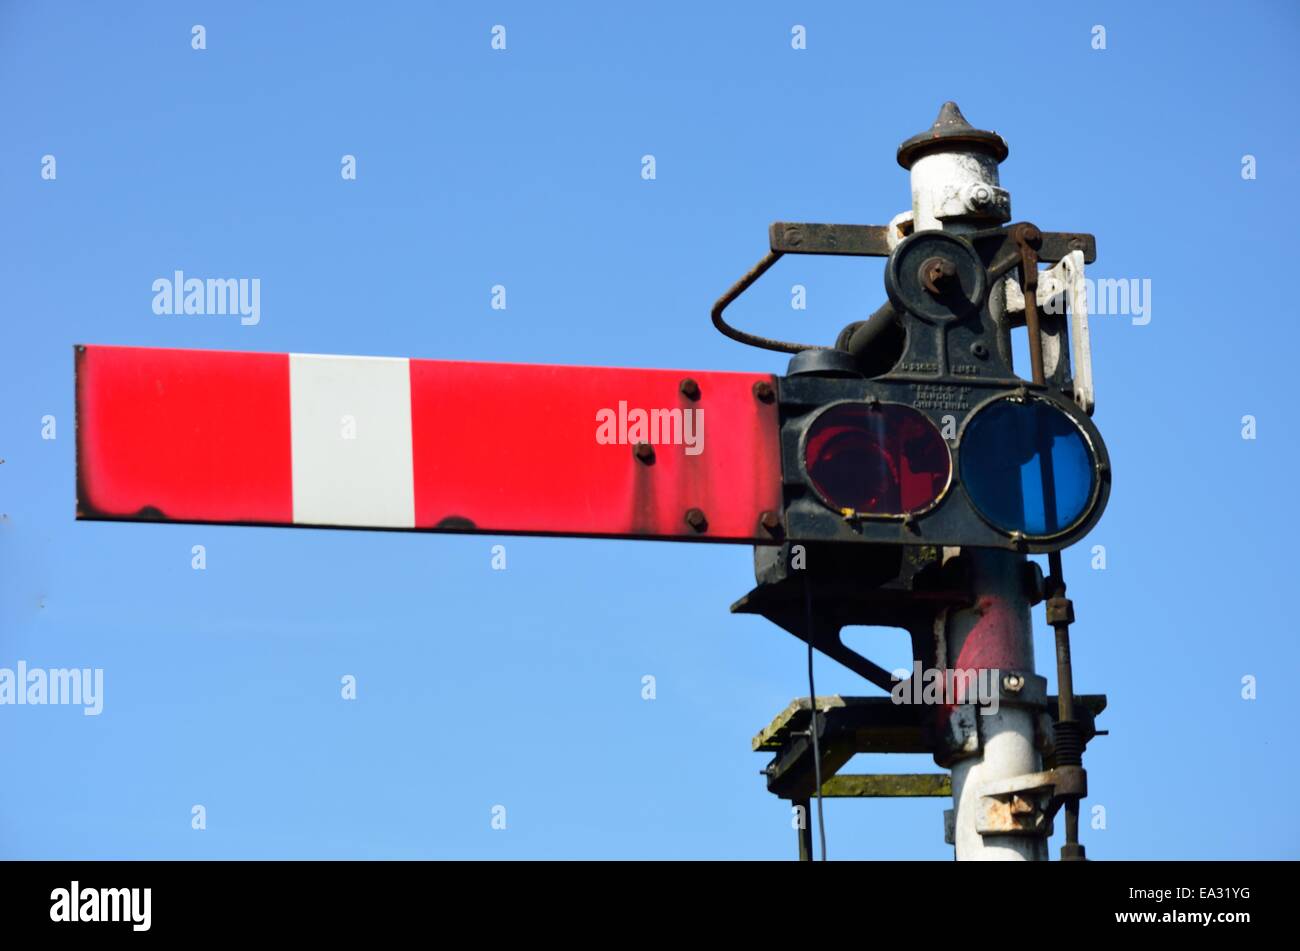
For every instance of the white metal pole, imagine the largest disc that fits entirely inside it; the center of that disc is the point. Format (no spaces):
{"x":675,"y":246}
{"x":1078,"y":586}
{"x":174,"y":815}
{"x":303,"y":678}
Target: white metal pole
{"x":955,"y":187}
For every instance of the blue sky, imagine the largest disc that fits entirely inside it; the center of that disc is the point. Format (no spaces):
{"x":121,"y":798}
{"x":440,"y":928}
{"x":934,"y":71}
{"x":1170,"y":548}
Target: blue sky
{"x":522,"y":167}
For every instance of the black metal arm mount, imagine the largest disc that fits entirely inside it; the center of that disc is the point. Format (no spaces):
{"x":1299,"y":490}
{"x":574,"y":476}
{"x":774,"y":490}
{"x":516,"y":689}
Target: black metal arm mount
{"x":997,"y":247}
{"x":876,"y":343}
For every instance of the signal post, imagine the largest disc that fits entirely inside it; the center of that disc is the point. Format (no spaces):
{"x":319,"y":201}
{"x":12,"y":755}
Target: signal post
{"x":956,"y":188}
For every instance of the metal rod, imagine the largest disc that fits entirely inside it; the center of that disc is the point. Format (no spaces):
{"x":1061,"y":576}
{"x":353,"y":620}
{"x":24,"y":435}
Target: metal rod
{"x":813,"y":724}
{"x":1065,"y":693}
{"x":805,"y":830}
{"x":754,"y":340}
{"x":1064,"y":667}
{"x":1025,"y":237}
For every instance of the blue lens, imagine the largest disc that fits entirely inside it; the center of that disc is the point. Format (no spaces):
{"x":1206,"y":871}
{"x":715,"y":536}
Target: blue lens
{"x":1026,"y":467}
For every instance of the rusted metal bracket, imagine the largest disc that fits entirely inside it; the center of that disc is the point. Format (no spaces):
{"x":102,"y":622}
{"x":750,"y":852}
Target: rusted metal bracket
{"x":1026,"y":805}
{"x":961,"y":736}
{"x":847,"y":726}
{"x":790,"y":237}
{"x":851,"y":725}
{"x":998,"y":248}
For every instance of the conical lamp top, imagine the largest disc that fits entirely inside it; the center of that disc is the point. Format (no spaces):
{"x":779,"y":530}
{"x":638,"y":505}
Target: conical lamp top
{"x":951,"y":133}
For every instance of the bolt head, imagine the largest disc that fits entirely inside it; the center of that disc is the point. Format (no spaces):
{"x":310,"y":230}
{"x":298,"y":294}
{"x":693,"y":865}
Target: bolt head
{"x":770,"y":521}
{"x":763,"y":391}
{"x":696,"y":520}
{"x":937,"y":275}
{"x":644,"y":452}
{"x":690,"y":389}
{"x":1026,"y":233}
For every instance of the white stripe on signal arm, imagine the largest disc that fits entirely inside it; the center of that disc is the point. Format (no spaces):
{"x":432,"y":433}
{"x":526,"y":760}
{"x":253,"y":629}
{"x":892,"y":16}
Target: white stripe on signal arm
{"x":364,"y":480}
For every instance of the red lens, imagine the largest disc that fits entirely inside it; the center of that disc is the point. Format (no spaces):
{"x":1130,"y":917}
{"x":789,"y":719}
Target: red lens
{"x":882,"y":459}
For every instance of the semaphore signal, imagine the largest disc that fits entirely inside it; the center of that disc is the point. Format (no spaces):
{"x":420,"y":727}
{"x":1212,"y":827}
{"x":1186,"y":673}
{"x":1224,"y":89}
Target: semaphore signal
{"x":896,"y":478}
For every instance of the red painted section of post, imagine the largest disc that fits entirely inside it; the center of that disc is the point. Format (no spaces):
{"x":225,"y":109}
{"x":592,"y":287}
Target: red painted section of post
{"x":996,"y":641}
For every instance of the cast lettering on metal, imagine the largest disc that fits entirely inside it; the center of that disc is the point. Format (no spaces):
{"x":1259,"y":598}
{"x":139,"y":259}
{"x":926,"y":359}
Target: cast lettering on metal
{"x":424,"y":445}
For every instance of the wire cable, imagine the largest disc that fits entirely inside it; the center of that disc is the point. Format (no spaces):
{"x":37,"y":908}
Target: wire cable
{"x":812,"y":703}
